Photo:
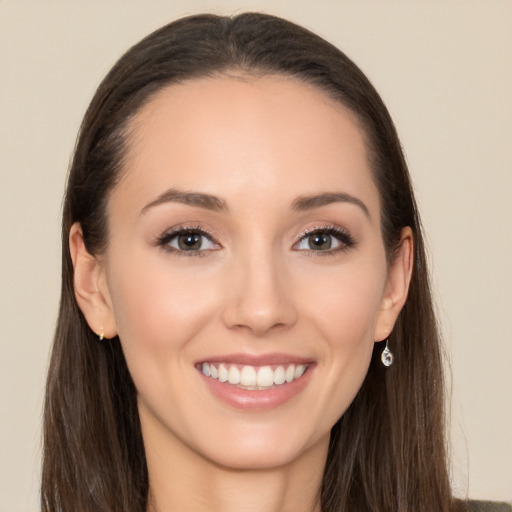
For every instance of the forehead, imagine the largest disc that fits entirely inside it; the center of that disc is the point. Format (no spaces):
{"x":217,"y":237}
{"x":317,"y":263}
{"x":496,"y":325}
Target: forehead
{"x":225,"y":135}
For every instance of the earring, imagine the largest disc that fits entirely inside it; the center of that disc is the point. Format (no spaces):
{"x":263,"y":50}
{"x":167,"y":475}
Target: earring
{"x":386,"y":357}
{"x":101,"y":334}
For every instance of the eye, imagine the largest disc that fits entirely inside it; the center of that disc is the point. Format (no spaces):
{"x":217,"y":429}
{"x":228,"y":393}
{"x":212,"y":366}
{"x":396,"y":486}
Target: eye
{"x":328,"y":239}
{"x":187,"y":240}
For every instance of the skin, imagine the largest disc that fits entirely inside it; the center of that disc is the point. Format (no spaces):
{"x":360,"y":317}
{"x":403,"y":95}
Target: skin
{"x":258,"y":144}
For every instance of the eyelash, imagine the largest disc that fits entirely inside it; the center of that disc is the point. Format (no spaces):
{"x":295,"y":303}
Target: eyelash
{"x":345,"y":239}
{"x":164,"y":240}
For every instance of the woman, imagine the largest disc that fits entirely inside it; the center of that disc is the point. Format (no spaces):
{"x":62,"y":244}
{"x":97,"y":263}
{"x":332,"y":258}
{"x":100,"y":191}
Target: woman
{"x":246,"y":320}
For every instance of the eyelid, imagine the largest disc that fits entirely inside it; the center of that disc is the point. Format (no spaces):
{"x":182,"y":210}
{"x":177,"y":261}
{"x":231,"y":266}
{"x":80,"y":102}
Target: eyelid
{"x":163,"y":240}
{"x":345,"y":238}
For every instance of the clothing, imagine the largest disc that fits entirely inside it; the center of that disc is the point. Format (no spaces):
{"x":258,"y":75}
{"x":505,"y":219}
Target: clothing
{"x":488,"y":506}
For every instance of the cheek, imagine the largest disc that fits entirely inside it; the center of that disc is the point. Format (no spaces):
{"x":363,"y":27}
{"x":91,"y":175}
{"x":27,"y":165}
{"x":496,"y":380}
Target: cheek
{"x":345,"y":301}
{"x":157,"y":308}
{"x":343,"y":306}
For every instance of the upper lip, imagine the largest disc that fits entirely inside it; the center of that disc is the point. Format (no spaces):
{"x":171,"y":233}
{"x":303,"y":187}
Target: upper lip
{"x":257,"y":359}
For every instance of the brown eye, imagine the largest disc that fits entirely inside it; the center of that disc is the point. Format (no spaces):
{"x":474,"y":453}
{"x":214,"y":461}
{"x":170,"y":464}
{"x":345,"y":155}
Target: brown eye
{"x":190,"y":242}
{"x":329,"y":240}
{"x":319,"y":241}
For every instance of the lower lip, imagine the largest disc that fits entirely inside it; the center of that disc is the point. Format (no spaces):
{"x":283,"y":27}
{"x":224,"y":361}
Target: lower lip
{"x":253,"y":399}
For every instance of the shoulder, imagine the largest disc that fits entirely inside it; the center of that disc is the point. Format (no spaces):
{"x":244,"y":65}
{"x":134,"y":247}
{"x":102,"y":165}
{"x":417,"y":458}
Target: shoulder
{"x":487,"y":506}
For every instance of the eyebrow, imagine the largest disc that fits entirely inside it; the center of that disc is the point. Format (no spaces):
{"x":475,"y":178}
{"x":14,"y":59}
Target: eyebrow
{"x":172,"y":195}
{"x":214,"y":203}
{"x":305,"y":203}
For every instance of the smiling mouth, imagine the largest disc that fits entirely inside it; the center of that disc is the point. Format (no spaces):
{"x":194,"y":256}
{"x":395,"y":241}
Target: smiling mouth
{"x":253,"y":377}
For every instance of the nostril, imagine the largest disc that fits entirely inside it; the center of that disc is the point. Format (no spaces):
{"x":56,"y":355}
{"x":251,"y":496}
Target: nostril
{"x":257,"y":301}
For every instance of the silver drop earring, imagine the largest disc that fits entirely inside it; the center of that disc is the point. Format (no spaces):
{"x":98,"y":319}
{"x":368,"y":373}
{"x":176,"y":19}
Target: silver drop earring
{"x":386,"y":357}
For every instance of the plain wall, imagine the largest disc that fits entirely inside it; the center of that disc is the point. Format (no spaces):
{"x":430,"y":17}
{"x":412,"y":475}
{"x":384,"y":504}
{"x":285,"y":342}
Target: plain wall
{"x":444,"y":69}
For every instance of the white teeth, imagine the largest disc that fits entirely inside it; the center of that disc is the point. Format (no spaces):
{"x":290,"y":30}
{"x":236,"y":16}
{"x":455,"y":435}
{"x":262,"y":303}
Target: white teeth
{"x":299,"y":371}
{"x":265,"y":376}
{"x":248,"y":376}
{"x":279,"y":376}
{"x":223,"y":373}
{"x":234,"y":375}
{"x":253,"y":377}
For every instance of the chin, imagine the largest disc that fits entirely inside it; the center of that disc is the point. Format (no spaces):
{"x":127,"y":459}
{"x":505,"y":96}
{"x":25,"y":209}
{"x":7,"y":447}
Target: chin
{"x":251,"y":451}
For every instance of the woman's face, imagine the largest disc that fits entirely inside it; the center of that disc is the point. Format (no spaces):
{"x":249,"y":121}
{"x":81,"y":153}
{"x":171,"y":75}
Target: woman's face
{"x":245,"y":244}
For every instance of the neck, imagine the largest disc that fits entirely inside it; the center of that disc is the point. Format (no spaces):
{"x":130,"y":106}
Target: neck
{"x":181,"y":479}
{"x":230,"y":491}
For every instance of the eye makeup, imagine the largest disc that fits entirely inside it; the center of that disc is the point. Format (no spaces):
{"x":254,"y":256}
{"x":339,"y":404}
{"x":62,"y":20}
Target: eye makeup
{"x":187,"y":241}
{"x":325,"y":240}
{"x":194,"y":240}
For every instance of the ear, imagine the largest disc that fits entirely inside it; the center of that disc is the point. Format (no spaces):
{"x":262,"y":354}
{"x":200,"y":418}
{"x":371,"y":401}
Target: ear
{"x":397,"y":286}
{"x":91,"y":287}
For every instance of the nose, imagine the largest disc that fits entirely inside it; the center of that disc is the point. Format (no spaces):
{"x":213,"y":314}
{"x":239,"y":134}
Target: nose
{"x":260,"y":296}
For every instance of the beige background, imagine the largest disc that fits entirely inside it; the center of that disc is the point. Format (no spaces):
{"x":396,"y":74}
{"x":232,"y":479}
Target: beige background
{"x":443,"y":67}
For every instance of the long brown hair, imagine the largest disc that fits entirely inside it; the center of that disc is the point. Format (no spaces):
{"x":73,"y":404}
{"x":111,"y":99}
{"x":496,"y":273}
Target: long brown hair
{"x":387,"y":452}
